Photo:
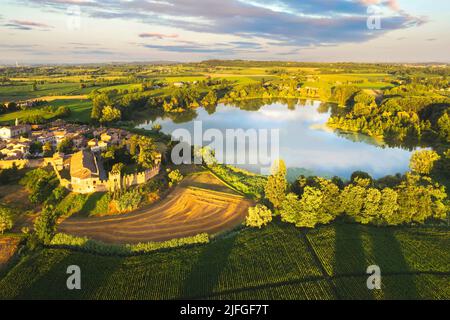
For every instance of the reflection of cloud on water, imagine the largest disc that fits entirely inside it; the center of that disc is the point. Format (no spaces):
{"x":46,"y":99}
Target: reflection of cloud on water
{"x":305,"y":140}
{"x":378,"y":162}
{"x":321,"y":127}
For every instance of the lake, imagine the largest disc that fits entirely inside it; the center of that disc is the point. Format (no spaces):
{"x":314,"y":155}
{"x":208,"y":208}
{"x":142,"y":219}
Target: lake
{"x":306,"y":144}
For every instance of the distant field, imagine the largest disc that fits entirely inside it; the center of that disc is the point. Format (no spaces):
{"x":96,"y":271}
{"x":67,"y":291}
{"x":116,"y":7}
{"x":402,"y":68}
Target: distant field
{"x":80,"y":111}
{"x":277,"y":262}
{"x":25,"y":92}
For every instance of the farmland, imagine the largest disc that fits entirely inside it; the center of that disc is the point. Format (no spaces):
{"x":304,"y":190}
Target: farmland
{"x":277,"y":262}
{"x":80,"y":111}
{"x":200,"y":204}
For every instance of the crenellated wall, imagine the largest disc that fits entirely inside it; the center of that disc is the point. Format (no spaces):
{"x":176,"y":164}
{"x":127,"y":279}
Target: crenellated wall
{"x":114,"y":182}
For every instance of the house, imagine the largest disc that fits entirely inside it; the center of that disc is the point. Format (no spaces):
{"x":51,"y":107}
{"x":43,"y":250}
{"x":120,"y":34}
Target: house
{"x":178,"y":84}
{"x":14,"y":131}
{"x":84,"y":172}
{"x":16,"y":149}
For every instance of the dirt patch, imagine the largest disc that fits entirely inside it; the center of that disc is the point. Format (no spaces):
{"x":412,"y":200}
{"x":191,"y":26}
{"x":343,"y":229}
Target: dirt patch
{"x":201,"y":203}
{"x":8,"y":247}
{"x":53,"y":98}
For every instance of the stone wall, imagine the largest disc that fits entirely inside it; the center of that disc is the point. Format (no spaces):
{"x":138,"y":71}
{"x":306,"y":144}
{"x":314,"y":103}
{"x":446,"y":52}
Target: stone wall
{"x":114,"y":182}
{"x":26,"y":163}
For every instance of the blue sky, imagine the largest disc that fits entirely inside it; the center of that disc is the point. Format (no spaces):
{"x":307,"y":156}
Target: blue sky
{"x":73,"y":31}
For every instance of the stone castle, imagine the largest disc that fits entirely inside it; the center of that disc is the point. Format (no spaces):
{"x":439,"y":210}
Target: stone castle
{"x":87,"y":176}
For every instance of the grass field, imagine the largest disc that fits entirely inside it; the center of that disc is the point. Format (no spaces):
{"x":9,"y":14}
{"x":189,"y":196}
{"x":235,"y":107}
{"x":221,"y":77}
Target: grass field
{"x":277,"y":262}
{"x":80,"y":111}
{"x":22,"y":92}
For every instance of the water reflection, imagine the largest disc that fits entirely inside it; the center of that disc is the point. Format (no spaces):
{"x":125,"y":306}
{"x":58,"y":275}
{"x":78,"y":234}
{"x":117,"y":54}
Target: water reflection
{"x":306,"y":143}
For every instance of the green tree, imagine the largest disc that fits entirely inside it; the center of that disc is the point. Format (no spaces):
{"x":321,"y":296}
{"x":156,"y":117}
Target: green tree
{"x":422,"y":162}
{"x":45,"y":225}
{"x":65,"y":146}
{"x":156,"y":127}
{"x":389,"y":207}
{"x":258,"y":216}
{"x":6,"y":219}
{"x":117,"y":168}
{"x":444,"y":126}
{"x":110,"y":114}
{"x":420,"y":199}
{"x":36,"y":147}
{"x":276,"y":186}
{"x":290,"y":209}
{"x":147,"y":154}
{"x":175,"y":177}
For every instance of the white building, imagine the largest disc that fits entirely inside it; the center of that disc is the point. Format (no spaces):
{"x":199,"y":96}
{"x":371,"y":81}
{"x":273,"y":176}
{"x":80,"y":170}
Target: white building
{"x":14,"y":131}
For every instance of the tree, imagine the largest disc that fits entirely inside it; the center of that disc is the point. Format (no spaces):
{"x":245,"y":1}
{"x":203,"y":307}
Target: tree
{"x":156,"y":127}
{"x":45,"y":225}
{"x":389,"y":207}
{"x":210,"y":99}
{"x":175,"y":177}
{"x":65,"y":146}
{"x":290,"y":208}
{"x":147,"y":152}
{"x":420,"y":199}
{"x":110,"y":114}
{"x":444,"y":126}
{"x":36,"y":147}
{"x":6,"y":219}
{"x":422,"y":162}
{"x":361,"y":175}
{"x":117,"y":168}
{"x":258,"y":216}
{"x":47,"y":149}
{"x":303,"y":212}
{"x":277,"y":184}
{"x":330,"y":204}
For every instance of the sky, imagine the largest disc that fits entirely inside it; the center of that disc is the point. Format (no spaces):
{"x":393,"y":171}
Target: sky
{"x":92,"y":31}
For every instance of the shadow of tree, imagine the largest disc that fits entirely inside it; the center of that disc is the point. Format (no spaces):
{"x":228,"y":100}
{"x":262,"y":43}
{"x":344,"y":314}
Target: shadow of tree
{"x":90,"y":204}
{"x":52,"y":284}
{"x":389,"y":257}
{"x":349,"y":261}
{"x":204,"y":276}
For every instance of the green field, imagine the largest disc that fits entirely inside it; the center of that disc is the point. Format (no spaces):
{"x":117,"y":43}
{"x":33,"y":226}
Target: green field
{"x":22,"y":91}
{"x":277,"y":262}
{"x":80,"y":111}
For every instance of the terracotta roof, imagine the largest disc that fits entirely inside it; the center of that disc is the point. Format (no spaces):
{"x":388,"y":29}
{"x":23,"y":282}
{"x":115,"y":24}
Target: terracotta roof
{"x":83,"y":165}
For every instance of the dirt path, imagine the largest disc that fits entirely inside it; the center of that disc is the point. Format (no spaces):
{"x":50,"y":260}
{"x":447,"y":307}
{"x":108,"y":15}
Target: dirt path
{"x":200,"y":204}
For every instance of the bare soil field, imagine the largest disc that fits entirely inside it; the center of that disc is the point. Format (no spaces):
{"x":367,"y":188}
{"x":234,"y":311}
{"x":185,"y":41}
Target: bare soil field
{"x":53,"y":98}
{"x":201,"y":203}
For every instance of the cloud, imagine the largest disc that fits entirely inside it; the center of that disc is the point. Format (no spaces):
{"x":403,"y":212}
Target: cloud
{"x":27,"y":25}
{"x":187,"y":48}
{"x":288,"y":22}
{"x":158,"y":35}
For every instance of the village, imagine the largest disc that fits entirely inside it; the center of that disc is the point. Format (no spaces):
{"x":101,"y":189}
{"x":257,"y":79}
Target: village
{"x":74,"y":152}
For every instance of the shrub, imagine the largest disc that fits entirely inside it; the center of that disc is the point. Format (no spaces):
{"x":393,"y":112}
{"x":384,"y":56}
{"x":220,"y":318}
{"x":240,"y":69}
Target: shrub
{"x":93,"y":246}
{"x":258,"y":216}
{"x":129,"y":201}
{"x":175,"y":177}
{"x":6,"y":219}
